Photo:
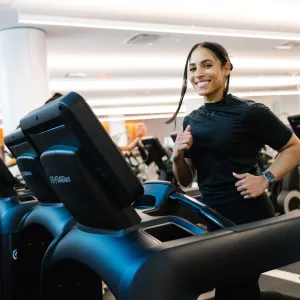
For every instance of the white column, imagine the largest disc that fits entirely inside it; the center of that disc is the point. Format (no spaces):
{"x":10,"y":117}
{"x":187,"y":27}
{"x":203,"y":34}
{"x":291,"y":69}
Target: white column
{"x":23,"y":74}
{"x":117,"y":131}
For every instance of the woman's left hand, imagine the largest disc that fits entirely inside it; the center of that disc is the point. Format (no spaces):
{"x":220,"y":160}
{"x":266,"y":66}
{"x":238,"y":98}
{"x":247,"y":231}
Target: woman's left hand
{"x":250,"y":186}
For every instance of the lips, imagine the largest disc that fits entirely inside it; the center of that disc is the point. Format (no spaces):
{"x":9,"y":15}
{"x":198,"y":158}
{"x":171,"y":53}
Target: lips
{"x":203,"y":84}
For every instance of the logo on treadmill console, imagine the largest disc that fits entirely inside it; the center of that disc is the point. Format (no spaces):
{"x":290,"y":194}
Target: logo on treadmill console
{"x":59,"y":179}
{"x":26,"y":173}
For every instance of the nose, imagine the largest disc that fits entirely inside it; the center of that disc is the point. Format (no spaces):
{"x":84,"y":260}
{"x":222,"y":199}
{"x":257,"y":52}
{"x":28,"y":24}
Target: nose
{"x":199,"y":72}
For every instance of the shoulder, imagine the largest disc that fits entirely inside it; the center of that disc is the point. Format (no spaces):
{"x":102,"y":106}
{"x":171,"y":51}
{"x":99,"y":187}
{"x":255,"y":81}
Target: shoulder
{"x":239,"y":102}
{"x":249,"y":108}
{"x":191,"y":116}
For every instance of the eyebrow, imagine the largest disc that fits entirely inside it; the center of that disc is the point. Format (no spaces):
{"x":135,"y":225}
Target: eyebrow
{"x":202,"y":62}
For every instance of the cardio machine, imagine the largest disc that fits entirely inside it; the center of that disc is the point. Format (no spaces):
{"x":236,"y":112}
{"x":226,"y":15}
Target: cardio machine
{"x":37,"y":229}
{"x":158,"y":155}
{"x":143,"y":241}
{"x":285,"y":194}
{"x":15,"y":202}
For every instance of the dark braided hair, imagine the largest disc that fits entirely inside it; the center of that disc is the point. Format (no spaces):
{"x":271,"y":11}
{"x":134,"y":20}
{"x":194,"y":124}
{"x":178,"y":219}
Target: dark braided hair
{"x":218,"y":51}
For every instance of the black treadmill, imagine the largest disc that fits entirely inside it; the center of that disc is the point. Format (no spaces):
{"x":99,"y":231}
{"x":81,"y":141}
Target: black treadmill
{"x":295,"y":124}
{"x":285,"y":193}
{"x":157,"y":154}
{"x":41,"y":225}
{"x":143,"y":241}
{"x":15,"y":202}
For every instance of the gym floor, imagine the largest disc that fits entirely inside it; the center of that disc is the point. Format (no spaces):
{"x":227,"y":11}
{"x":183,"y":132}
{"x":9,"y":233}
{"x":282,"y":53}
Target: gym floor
{"x":285,"y":280}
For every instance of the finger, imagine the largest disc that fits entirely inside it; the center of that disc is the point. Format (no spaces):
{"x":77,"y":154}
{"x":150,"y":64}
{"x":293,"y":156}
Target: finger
{"x":188,"y":128}
{"x":239,"y":176}
{"x":185,"y":135}
{"x":241,"y":188}
{"x":244,"y":193}
{"x":183,"y":147}
{"x":185,"y":141}
{"x":239,"y":183}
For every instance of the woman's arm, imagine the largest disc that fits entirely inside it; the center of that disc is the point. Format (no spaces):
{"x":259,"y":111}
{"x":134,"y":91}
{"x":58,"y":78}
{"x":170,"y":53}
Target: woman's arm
{"x":265,"y":127}
{"x":288,"y":158}
{"x":130,"y":146}
{"x":184,"y":170}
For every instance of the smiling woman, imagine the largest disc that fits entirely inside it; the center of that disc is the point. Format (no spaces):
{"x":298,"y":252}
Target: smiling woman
{"x":205,"y":75}
{"x":221,"y":141}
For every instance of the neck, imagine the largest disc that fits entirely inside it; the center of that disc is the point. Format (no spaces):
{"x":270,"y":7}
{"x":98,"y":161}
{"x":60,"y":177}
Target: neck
{"x":216,"y":96}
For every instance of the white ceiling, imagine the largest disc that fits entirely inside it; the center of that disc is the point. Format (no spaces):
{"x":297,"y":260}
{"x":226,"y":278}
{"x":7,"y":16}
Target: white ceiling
{"x":159,"y":67}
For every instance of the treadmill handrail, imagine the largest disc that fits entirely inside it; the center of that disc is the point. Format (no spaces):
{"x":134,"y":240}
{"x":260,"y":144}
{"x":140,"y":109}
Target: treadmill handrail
{"x":203,"y":209}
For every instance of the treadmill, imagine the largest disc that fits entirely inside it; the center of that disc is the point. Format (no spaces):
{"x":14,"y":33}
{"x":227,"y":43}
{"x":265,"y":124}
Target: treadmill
{"x":143,"y":241}
{"x":159,"y":156}
{"x":285,"y":193}
{"x":40,"y":226}
{"x":15,"y":202}
{"x":295,"y":124}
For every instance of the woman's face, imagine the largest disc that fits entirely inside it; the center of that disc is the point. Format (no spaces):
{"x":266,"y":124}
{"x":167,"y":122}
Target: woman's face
{"x":140,"y":130}
{"x":207,"y":75}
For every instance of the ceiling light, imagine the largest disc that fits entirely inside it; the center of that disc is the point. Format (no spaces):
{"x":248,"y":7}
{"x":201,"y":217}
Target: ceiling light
{"x":152,"y":27}
{"x":157,"y":84}
{"x":170,"y":63}
{"x":267,"y":93}
{"x":273,"y":81}
{"x":135,"y":110}
{"x":175,"y":98}
{"x":134,"y":101}
{"x":266,"y":64}
{"x":139,"y":117}
{"x":113,"y":85}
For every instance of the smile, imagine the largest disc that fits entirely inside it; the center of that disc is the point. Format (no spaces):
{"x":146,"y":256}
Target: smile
{"x":202,"y":84}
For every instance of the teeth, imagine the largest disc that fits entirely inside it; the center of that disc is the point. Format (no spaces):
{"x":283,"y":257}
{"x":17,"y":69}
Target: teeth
{"x":203,"y":84}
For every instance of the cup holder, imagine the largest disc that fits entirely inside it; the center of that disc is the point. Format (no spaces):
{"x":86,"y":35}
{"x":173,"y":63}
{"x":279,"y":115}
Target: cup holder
{"x":168,"y":232}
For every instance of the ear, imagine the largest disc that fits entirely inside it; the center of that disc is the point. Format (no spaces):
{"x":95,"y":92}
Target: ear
{"x":227,"y":68}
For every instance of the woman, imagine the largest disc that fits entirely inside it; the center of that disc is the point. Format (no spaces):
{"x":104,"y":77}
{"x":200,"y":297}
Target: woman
{"x":221,"y":141}
{"x":140,"y":132}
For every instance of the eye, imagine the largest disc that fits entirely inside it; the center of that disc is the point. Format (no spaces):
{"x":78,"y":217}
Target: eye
{"x":192,"y":69}
{"x":207,"y":66}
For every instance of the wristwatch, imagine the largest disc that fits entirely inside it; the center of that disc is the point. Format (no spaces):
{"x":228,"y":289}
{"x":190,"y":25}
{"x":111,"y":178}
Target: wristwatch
{"x":269,"y":176}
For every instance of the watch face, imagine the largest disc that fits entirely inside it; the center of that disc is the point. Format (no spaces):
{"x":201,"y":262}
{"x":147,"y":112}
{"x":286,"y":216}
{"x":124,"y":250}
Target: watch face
{"x":269,"y":176}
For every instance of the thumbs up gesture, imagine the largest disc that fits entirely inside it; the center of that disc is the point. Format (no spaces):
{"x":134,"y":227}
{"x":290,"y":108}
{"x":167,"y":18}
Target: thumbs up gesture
{"x":183,"y":142}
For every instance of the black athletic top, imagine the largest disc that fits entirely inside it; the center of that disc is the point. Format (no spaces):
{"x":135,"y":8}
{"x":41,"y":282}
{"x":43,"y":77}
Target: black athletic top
{"x":227,"y":137}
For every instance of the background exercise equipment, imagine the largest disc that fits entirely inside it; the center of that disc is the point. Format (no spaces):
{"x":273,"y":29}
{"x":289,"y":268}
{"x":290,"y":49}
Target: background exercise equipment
{"x":285,"y":194}
{"x":159,"y":155}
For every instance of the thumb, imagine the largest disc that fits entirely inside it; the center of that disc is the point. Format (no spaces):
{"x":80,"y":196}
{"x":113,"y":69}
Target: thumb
{"x":188,"y":128}
{"x":239,"y":176}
